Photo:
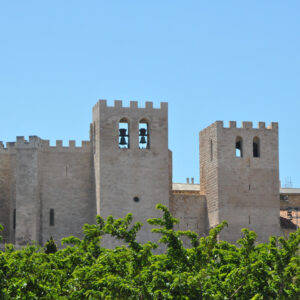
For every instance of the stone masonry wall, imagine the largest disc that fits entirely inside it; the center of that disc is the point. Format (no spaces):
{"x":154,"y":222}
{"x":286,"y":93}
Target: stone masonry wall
{"x":209,"y":173}
{"x":67,"y":187}
{"x":7,"y":191}
{"x":27,"y":191}
{"x":191,"y":210}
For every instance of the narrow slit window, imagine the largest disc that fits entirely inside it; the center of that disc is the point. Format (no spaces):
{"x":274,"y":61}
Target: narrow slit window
{"x":144,"y":137}
{"x":211,"y":150}
{"x":256,"y":146}
{"x":239,"y":147}
{"x":14,"y":219}
{"x":51,"y":217}
{"x":124,"y":134}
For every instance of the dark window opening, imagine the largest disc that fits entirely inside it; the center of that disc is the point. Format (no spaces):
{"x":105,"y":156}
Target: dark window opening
{"x":211,"y":150}
{"x":249,"y":219}
{"x":136,"y":199}
{"x":144,"y":138}
{"x":124,"y":134}
{"x":51,"y":217}
{"x":256,"y":149}
{"x":284,"y":197}
{"x":239,"y":147}
{"x":14,"y":219}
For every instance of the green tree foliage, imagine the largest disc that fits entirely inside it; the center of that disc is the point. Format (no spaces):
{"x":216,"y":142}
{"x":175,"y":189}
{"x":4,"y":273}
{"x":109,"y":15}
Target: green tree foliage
{"x":50,"y":246}
{"x":208,"y":269}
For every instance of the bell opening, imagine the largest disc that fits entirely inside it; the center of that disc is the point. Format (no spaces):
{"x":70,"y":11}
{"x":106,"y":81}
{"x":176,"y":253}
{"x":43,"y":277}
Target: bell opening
{"x":123,"y":135}
{"x":143,"y":136}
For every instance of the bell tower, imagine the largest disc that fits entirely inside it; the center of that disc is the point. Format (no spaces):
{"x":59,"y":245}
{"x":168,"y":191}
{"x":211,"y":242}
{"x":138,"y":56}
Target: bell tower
{"x":131,"y":160}
{"x":239,"y":174}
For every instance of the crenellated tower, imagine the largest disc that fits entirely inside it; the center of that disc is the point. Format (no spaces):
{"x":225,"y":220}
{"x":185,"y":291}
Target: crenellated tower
{"x":239,"y":174}
{"x":131,"y":160}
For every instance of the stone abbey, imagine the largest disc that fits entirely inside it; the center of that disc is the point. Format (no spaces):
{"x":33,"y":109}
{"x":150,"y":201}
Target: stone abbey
{"x":126,"y":166}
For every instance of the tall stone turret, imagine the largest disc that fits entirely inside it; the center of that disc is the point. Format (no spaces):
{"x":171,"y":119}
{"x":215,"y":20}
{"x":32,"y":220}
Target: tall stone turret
{"x":239,"y":174}
{"x":131,"y":160}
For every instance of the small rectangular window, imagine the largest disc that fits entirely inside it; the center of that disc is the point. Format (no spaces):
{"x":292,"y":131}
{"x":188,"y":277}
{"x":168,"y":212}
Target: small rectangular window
{"x":51,"y":217}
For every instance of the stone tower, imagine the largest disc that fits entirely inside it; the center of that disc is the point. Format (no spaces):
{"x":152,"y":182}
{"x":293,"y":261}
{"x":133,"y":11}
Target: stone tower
{"x":239,"y":174}
{"x":130,"y":176}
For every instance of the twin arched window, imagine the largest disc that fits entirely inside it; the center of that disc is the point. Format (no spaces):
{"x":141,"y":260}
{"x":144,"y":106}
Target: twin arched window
{"x":239,"y":147}
{"x":124,"y":134}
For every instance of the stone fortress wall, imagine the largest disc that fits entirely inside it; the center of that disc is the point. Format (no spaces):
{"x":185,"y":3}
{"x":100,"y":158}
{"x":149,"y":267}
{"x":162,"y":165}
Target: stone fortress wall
{"x":37,"y":178}
{"x":52,"y":191}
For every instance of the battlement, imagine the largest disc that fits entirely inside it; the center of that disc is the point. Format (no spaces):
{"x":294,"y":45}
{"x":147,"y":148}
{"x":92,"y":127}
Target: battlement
{"x":32,"y":142}
{"x":59,"y":147}
{"x":247,"y":125}
{"x":102,"y":104}
{"x":9,"y":147}
{"x":43,"y":145}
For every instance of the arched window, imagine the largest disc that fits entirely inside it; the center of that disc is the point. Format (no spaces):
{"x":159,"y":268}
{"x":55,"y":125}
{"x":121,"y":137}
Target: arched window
{"x":239,"y":147}
{"x":144,"y":136}
{"x":124,"y":134}
{"x":256,"y":147}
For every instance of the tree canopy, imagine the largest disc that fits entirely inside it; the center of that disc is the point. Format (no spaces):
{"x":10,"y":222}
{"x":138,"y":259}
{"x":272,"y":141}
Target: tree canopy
{"x":208,"y":269}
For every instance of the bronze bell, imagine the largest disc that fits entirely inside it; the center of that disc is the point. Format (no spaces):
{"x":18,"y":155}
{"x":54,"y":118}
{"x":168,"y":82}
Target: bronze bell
{"x":143,"y":140}
{"x":143,"y":132}
{"x":123,"y":141}
{"x":122,"y":132}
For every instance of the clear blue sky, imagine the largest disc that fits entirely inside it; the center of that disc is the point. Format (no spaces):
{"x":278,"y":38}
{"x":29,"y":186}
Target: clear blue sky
{"x":211,"y":60}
